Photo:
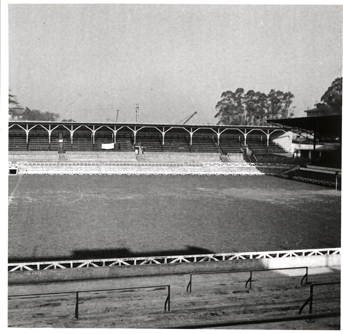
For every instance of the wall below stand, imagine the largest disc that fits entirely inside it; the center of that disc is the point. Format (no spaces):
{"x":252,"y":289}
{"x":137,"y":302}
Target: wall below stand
{"x":54,"y":275}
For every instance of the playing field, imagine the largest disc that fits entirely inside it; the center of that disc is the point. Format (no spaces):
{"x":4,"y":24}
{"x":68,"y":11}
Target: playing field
{"x":102,"y":216}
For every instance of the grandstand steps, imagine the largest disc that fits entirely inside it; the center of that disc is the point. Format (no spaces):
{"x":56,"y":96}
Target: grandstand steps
{"x":215,"y":299}
{"x":236,"y":157}
{"x":145,"y":168}
{"x":33,"y":156}
{"x":180,"y":157}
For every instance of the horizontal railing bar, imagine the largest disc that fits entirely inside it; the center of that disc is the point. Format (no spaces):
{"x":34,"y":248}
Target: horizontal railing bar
{"x":244,"y":270}
{"x":323,"y":283}
{"x":189,"y":286}
{"x":85,"y":291}
{"x":257,"y":321}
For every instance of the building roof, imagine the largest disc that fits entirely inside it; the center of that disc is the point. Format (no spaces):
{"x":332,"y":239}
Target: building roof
{"x":325,"y":125}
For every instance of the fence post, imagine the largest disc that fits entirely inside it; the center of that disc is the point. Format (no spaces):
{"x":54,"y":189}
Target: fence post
{"x":77,"y":306}
{"x":189,"y":286}
{"x":305,"y":276}
{"x":167,"y":302}
{"x":249,"y":280}
{"x":311,"y":298}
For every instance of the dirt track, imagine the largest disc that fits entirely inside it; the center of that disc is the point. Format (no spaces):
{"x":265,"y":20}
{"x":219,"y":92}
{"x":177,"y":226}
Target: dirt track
{"x":215,"y":298}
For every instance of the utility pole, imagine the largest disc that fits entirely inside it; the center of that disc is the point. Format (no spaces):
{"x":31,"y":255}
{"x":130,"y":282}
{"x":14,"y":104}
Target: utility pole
{"x":137,"y":112}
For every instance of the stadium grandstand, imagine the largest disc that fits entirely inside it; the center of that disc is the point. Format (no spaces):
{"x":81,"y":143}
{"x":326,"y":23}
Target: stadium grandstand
{"x":103,"y":251}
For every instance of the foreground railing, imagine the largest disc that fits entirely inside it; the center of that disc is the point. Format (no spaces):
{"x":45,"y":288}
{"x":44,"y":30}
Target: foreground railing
{"x":189,"y":286}
{"x":77,"y":295}
{"x":310,"y":299}
{"x":157,"y":260}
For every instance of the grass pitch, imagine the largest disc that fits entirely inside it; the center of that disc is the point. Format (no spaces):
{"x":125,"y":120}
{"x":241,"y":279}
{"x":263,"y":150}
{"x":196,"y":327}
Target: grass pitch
{"x":102,"y":216}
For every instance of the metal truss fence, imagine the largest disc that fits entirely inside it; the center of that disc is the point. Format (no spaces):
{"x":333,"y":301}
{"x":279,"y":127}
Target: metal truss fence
{"x":158,"y":260}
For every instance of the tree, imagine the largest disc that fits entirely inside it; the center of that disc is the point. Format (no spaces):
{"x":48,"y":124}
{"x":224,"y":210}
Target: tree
{"x":30,"y":115}
{"x":37,"y":115}
{"x":12,"y":99}
{"x":67,"y":120}
{"x":253,"y":108}
{"x":279,"y":103}
{"x":331,"y":101}
{"x":231,"y":107}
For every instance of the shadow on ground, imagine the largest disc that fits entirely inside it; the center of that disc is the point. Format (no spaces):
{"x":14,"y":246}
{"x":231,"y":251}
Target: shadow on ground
{"x":113,"y":253}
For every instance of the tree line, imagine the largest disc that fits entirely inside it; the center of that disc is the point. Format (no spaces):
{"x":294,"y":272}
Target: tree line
{"x":254,"y":108}
{"x":234,"y":108}
{"x":28,"y":114}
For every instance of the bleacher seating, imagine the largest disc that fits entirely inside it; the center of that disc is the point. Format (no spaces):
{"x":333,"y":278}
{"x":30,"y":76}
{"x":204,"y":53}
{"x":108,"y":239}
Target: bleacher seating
{"x":260,"y":147}
{"x":17,"y":143}
{"x":204,"y":144}
{"x":230,"y":146}
{"x":82,"y":144}
{"x":102,"y":138}
{"x":54,"y":144}
{"x":38,"y":143}
{"x":124,"y":143}
{"x":150,"y":143}
{"x":176,"y":144}
{"x":275,"y":148}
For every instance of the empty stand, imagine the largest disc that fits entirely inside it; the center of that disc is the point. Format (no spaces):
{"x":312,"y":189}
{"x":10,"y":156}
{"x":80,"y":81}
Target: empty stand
{"x":102,"y":138}
{"x":82,"y":144}
{"x":124,"y":143}
{"x":260,"y":147}
{"x":38,"y":143}
{"x":230,"y":146}
{"x":150,"y":143}
{"x":204,"y":144}
{"x":17,"y":142}
{"x":176,"y":144}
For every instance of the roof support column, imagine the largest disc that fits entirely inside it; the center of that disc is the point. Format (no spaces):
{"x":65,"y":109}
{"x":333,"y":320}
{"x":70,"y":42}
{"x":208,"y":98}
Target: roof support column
{"x":115,"y":134}
{"x":134,"y":135}
{"x":218,"y":137}
{"x":314,"y":144}
{"x":71,"y":133}
{"x":93,"y":135}
{"x":245,"y":137}
{"x":49,"y":133}
{"x":27,"y":134}
{"x":163,"y":134}
{"x":268,"y":135}
{"x":191,"y":137}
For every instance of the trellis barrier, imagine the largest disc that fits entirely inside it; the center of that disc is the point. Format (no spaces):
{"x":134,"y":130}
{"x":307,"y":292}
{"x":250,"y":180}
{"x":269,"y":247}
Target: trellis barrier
{"x":77,"y":295}
{"x":189,"y":286}
{"x":174,"y":259}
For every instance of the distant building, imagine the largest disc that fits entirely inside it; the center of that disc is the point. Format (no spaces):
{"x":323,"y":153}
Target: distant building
{"x":15,"y":113}
{"x":315,"y":112}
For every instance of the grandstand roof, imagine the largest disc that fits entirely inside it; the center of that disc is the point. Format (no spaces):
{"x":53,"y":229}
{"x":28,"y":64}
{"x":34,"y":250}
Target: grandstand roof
{"x":187,"y":126}
{"x":331,"y":125}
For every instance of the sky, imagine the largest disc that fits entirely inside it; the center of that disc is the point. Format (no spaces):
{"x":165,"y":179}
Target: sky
{"x":86,"y":61}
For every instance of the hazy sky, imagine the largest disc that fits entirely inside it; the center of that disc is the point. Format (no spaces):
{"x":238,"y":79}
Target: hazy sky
{"x":87,"y":61}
